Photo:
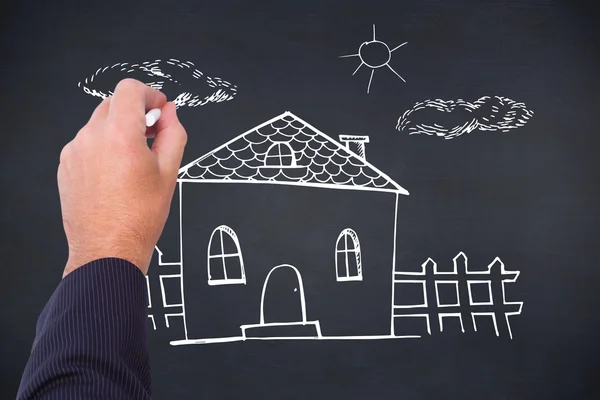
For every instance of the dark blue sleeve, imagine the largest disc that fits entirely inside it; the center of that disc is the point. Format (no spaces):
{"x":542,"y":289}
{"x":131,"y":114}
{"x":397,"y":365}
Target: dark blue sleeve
{"x":91,"y":338}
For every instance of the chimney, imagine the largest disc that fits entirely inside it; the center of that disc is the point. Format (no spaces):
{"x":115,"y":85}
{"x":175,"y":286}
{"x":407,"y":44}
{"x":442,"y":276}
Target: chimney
{"x":356,"y":144}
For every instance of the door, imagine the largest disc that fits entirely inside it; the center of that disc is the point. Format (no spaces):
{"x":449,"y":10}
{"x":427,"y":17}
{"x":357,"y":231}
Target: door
{"x":283,"y":296}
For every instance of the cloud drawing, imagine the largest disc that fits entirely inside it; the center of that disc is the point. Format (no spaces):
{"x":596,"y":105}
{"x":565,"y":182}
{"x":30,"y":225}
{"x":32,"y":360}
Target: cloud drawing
{"x":181,"y":82}
{"x":452,"y":118}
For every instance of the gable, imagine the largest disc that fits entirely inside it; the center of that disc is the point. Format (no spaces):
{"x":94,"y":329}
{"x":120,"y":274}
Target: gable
{"x":318,"y":160}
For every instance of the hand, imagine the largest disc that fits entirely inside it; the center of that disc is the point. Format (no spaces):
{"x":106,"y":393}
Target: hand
{"x":115,"y":191}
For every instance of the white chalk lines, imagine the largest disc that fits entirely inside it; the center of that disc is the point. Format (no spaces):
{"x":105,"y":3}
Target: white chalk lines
{"x":180,"y":79}
{"x":348,"y":264}
{"x":221,"y":271}
{"x":454,"y":118}
{"x":447,"y":304}
{"x":375,"y":54}
{"x":165,"y":303}
{"x":447,"y":294}
{"x":286,"y":150}
{"x":248,"y":329}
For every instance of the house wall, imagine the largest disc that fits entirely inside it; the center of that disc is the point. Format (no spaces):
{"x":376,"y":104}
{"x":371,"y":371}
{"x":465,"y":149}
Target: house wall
{"x":279,"y":224}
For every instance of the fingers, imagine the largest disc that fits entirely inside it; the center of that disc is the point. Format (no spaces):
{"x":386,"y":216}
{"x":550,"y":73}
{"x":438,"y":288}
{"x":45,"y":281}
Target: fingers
{"x":131,"y":100}
{"x":101,"y":111}
{"x":170,"y":140}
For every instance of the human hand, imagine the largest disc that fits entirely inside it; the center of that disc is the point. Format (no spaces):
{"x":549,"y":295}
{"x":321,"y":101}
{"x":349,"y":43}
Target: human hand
{"x":115,"y":191}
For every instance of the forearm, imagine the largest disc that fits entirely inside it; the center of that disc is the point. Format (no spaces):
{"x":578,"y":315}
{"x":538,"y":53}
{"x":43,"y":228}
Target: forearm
{"x":91,"y":338}
{"x":115,"y":194}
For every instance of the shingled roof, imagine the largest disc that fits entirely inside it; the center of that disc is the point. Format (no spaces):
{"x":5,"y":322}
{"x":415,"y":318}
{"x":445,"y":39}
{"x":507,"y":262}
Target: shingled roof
{"x":318,"y":161}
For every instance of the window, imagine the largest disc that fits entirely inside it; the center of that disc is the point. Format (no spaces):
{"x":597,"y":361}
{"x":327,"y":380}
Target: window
{"x":280,"y":155}
{"x":347,"y":257}
{"x":225,"y":261}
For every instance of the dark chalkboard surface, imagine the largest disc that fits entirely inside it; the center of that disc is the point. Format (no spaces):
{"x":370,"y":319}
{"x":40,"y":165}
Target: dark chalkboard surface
{"x":377,"y":200}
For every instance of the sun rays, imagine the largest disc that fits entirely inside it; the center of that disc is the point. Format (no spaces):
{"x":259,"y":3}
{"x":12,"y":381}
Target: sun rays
{"x":375,"y":54}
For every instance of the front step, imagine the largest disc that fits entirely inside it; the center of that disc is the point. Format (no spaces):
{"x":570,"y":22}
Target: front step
{"x":283,"y":330}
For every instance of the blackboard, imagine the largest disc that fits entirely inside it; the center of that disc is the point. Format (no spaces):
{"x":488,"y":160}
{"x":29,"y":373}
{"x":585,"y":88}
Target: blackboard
{"x":467,"y":175}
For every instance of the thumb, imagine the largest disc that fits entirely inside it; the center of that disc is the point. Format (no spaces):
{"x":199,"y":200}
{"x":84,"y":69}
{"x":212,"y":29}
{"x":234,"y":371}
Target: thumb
{"x":170,"y":140}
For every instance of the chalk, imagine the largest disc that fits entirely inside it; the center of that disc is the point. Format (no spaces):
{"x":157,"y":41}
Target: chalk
{"x":152,"y":116}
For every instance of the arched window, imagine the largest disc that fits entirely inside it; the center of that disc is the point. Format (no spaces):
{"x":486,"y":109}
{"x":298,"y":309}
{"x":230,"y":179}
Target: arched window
{"x":280,"y":155}
{"x":348,"y":265}
{"x":225,"y":261}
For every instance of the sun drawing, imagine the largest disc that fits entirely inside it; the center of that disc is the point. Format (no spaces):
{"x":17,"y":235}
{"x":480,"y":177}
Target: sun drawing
{"x":375,"y":54}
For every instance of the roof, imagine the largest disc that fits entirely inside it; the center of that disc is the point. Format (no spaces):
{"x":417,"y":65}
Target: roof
{"x":319,"y":161}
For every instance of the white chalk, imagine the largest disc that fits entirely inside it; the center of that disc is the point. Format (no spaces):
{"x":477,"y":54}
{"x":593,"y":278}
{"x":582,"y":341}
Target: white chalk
{"x":152,"y":116}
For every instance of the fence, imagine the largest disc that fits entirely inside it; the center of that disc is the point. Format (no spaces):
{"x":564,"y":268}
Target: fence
{"x":168,"y":277}
{"x":461,"y":294}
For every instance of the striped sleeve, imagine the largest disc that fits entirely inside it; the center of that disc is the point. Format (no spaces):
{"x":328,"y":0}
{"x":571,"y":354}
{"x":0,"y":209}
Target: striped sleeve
{"x":91,"y":337}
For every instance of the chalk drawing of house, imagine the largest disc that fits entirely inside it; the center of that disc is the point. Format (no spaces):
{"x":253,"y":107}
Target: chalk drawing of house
{"x":285,"y":233}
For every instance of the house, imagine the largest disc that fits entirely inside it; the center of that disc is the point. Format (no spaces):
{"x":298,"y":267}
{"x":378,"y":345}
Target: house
{"x":285,"y":232}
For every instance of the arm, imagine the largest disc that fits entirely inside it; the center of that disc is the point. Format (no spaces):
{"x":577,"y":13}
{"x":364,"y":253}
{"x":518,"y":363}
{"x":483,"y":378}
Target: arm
{"x":115,"y":194}
{"x":91,"y":337}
